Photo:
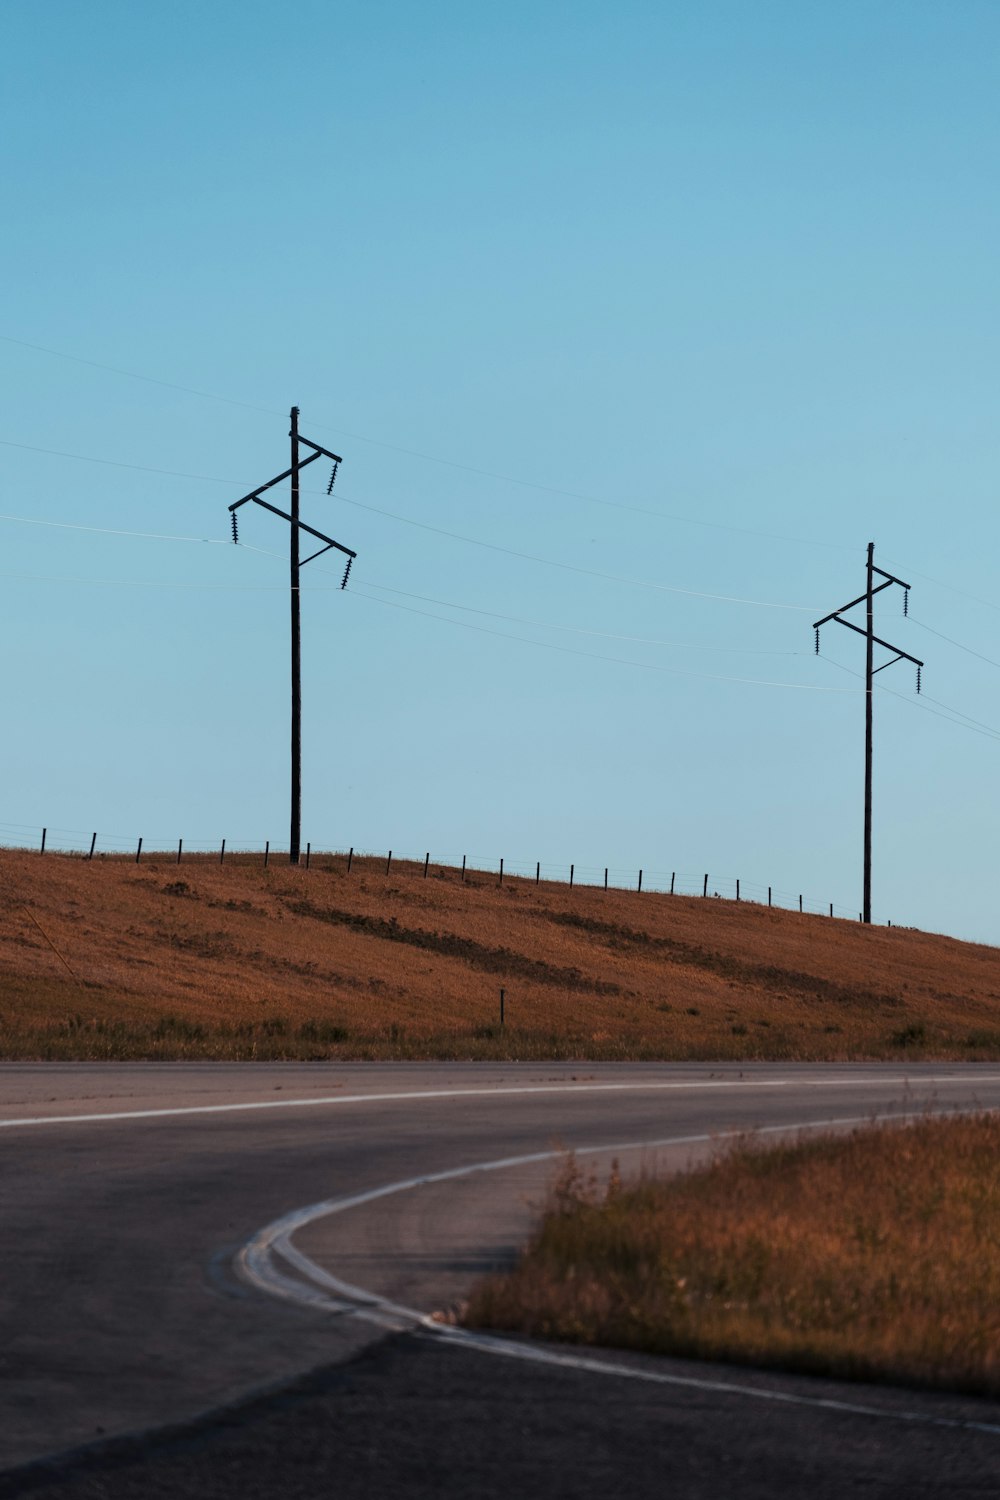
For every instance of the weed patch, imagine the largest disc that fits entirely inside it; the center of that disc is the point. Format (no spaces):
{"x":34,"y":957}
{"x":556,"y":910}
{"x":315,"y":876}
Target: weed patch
{"x":872,"y":1256}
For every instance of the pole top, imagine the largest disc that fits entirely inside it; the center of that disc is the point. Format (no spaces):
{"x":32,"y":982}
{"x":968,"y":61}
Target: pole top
{"x":294,"y":412}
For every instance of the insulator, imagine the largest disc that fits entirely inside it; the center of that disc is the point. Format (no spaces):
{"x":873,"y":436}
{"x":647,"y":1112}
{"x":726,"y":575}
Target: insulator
{"x":906,"y":601}
{"x":918,"y":679}
{"x":817,"y":640}
{"x":347,"y":572}
{"x":235,"y":532}
{"x":333,"y":478}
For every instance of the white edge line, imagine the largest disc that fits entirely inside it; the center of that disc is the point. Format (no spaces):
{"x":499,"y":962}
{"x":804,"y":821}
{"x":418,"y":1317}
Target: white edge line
{"x":174,"y":1111}
{"x":256,"y":1262}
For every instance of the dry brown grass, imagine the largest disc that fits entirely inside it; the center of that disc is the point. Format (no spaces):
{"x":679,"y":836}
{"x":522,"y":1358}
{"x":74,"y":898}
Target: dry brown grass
{"x":874,"y":1257}
{"x":238,"y":961}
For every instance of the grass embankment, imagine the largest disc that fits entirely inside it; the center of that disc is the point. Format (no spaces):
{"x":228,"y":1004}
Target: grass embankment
{"x":110,"y":959}
{"x":871,"y":1257}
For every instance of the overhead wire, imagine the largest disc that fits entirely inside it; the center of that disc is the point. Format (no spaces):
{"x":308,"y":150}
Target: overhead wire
{"x":157,"y":536}
{"x":459,"y":537}
{"x":596,"y":656}
{"x":952,"y":642}
{"x":952,"y":715}
{"x":579,"y":630}
{"x":466,"y":468}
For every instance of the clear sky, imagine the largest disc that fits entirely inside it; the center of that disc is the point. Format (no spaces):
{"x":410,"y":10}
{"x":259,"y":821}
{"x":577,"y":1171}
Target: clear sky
{"x":622,"y":316}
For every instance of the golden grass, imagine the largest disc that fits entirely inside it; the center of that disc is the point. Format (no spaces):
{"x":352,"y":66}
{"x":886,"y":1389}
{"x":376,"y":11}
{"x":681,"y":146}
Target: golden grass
{"x":872,"y":1257}
{"x":107,"y":958}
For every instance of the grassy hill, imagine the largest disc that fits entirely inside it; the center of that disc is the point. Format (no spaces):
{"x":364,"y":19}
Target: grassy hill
{"x":107,"y":958}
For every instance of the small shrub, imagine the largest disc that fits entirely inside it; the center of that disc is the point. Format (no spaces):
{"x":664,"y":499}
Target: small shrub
{"x":174,"y":1029}
{"x":914,"y":1035}
{"x":322,"y":1031}
{"x":987,"y":1040}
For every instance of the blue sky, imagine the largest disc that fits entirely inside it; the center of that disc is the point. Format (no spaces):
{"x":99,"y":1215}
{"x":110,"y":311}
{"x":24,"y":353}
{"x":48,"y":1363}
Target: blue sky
{"x":618,"y":315}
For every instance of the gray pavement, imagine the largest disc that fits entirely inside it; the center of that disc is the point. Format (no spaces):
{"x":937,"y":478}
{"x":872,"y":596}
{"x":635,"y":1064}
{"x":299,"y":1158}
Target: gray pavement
{"x":121,"y":1313}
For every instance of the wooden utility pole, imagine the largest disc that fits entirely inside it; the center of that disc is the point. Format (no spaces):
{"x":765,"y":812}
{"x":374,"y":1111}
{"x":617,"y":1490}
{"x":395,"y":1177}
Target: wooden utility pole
{"x":296,"y":525}
{"x":871,"y":641}
{"x":869,"y":695}
{"x":295,"y":833}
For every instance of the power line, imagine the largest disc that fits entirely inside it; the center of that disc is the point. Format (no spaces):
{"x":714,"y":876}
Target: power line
{"x":450,"y":604}
{"x":170,"y":385}
{"x":114,"y":463}
{"x":606,"y":635}
{"x":444,"y":603}
{"x":156,"y":536}
{"x":453,"y":535}
{"x":436,"y":459}
{"x":153,"y":583}
{"x":951,"y":642}
{"x":923,"y":704}
{"x":548,"y":562}
{"x":596,"y":656}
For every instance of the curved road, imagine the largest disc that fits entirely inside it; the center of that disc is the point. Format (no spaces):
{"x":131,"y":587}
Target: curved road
{"x":173,"y":1323}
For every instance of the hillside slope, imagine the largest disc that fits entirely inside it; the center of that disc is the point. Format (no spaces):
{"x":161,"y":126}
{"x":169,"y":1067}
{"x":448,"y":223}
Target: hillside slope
{"x":239,"y":961}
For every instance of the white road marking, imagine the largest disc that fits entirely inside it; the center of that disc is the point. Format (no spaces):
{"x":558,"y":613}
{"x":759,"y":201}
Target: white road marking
{"x":256,"y":1262}
{"x":176,"y":1111}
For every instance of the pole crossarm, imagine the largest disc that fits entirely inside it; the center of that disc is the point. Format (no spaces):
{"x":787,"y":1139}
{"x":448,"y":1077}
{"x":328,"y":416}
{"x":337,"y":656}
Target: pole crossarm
{"x":272,"y":482}
{"x":836,"y":613}
{"x":900,"y":654}
{"x":319,"y":535}
{"x":325,"y":452}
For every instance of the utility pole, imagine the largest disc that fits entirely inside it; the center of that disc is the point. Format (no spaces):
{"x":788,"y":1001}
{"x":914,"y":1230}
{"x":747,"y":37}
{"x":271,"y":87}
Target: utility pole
{"x":295,"y":526}
{"x":871,"y":641}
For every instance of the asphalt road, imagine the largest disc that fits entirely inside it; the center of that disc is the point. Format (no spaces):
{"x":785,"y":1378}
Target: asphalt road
{"x":143,"y":1353}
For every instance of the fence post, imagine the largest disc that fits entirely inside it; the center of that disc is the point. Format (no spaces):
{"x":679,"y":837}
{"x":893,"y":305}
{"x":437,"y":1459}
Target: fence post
{"x":222,"y":853}
{"x":769,"y":895}
{"x":538,"y":870}
{"x":180,"y":846}
{"x":388,"y":862}
{"x":308,"y":853}
{"x":350,"y":858}
{"x":704,"y":889}
{"x":93,"y":841}
{"x":800,"y":901}
{"x":267,"y":852}
{"x":463,"y":867}
{"x":501,"y":872}
{"x":44,"y":832}
{"x":640,"y":880}
{"x":605,"y":877}
{"x":138,"y":852}
{"x":571,"y":868}
{"x":427,"y":860}
{"x":831,"y":908}
{"x":673,"y":877}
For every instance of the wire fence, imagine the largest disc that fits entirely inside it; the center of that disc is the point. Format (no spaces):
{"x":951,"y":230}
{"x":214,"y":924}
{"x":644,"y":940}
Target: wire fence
{"x":467,"y":867}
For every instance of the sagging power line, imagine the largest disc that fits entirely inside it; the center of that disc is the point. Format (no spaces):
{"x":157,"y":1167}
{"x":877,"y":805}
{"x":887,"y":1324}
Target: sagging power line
{"x":872,"y":640}
{"x":295,"y":526}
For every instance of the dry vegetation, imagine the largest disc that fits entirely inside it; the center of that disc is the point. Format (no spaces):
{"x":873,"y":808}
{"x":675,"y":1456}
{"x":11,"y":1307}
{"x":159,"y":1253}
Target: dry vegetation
{"x":238,"y":961}
{"x":875,"y":1257}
